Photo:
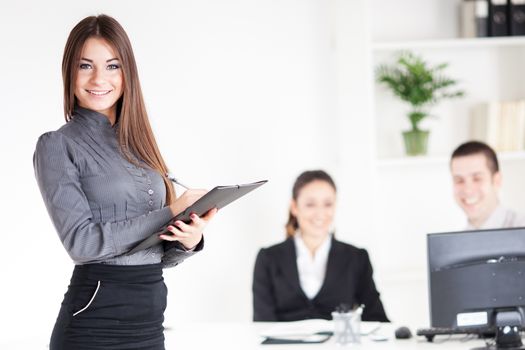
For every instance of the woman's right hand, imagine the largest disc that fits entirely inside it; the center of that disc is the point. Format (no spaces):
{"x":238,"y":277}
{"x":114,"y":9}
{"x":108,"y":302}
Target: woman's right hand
{"x":185,"y":200}
{"x":188,"y":234}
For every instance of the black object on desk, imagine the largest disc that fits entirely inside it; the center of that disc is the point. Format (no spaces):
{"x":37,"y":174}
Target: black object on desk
{"x":476,"y":282}
{"x":431,"y":332}
{"x":403,"y":333}
{"x":218,"y":197}
{"x":314,"y":338}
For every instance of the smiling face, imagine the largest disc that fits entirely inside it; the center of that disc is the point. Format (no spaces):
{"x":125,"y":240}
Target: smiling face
{"x":99,"y":82}
{"x":475,"y":187}
{"x":314,"y":208}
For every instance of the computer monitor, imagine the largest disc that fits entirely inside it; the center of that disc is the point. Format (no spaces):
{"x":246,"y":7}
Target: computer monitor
{"x":477,"y":279}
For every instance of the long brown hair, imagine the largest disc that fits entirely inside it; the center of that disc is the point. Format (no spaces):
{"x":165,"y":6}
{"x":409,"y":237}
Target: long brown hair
{"x":134,"y":130}
{"x":302,"y":180}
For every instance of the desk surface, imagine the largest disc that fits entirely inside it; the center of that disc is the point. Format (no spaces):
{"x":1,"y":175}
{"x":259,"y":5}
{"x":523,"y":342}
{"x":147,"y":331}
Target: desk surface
{"x":245,"y":336}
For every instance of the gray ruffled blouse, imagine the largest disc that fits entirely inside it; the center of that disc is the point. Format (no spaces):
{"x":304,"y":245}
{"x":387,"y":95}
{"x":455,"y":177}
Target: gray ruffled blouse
{"x":101,"y":205}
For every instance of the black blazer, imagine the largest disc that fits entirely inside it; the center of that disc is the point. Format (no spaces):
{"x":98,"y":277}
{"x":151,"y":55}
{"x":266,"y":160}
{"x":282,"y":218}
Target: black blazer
{"x":277,"y":293}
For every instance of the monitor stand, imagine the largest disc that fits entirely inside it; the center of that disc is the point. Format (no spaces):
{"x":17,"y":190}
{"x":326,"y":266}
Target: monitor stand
{"x":508,"y":325}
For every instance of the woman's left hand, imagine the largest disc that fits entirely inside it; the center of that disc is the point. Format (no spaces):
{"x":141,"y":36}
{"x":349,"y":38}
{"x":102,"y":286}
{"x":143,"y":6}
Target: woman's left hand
{"x":189,"y":235}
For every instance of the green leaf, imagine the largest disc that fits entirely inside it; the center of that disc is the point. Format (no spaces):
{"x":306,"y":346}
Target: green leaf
{"x":417,"y":83}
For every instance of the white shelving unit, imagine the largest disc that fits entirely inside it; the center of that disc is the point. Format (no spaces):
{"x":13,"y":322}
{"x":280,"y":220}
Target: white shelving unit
{"x":388,"y":202}
{"x":503,"y":157}
{"x":412,"y":196}
{"x":487,"y":69}
{"x":447,"y":44}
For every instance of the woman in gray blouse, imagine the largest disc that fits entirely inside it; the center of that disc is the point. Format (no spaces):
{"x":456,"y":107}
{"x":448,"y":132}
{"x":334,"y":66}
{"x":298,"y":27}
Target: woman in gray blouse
{"x":104,"y":184}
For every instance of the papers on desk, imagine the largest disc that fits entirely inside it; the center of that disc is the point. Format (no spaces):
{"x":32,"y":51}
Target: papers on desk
{"x":308,"y":331}
{"x":369,"y":328}
{"x":297,"y":332}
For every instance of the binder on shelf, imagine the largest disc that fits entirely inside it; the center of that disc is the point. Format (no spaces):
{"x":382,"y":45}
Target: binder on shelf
{"x":474,"y":18}
{"x":500,"y":124}
{"x":484,"y":124}
{"x":517,"y":17}
{"x":498,"y":18}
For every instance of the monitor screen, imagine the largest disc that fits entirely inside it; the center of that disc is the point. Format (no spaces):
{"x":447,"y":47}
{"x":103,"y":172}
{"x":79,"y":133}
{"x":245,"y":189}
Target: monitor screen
{"x":476,"y":275}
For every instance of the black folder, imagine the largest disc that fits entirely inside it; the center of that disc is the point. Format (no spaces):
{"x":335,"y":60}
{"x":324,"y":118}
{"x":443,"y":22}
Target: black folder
{"x":498,"y":18}
{"x":315,"y":338}
{"x":517,"y":17}
{"x":218,"y":197}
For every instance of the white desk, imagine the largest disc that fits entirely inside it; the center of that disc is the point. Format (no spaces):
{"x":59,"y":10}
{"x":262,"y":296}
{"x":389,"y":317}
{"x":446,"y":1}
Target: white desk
{"x":245,"y":336}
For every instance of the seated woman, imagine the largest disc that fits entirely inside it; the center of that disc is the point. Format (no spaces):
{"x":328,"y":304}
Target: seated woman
{"x":311,"y":273}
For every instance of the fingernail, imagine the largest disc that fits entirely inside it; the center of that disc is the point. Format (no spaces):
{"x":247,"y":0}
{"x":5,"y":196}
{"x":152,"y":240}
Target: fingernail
{"x":193,"y":216}
{"x":178,"y":223}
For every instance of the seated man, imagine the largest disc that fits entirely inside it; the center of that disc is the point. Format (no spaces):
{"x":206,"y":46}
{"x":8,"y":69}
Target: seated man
{"x":477,"y":180}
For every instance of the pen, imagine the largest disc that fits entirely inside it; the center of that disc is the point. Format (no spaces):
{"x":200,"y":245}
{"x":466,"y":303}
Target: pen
{"x":173,"y":179}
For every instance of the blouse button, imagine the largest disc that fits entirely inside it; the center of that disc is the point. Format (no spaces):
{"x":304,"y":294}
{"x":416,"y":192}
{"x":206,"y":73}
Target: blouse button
{"x":150,"y":192}
{"x":150,"y":202}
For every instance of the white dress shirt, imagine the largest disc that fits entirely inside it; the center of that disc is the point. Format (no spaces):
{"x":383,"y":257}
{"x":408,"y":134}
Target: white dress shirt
{"x":501,"y":217}
{"x":312,"y":269}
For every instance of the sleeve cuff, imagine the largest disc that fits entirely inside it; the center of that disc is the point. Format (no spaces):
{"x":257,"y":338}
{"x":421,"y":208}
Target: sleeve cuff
{"x":175,"y":253}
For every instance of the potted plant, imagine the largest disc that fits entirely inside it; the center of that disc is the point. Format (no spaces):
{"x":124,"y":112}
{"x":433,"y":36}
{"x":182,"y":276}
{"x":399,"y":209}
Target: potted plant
{"x":422,"y":86}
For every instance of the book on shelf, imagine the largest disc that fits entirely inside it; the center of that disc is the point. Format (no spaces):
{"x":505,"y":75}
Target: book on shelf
{"x":517,"y":17}
{"x":474,"y":18}
{"x":498,"y":18}
{"x":482,"y":18}
{"x":500,"y":124}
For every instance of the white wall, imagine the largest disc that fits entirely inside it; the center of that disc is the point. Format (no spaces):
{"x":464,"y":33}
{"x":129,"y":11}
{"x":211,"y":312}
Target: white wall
{"x":414,"y":19}
{"x":237,"y":91}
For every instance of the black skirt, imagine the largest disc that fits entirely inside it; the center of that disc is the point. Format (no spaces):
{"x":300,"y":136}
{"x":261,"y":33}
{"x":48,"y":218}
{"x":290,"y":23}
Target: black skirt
{"x":112,"y":307}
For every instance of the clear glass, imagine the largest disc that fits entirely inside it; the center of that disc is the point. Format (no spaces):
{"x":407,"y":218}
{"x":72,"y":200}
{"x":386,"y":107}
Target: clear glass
{"x":347,"y":327}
